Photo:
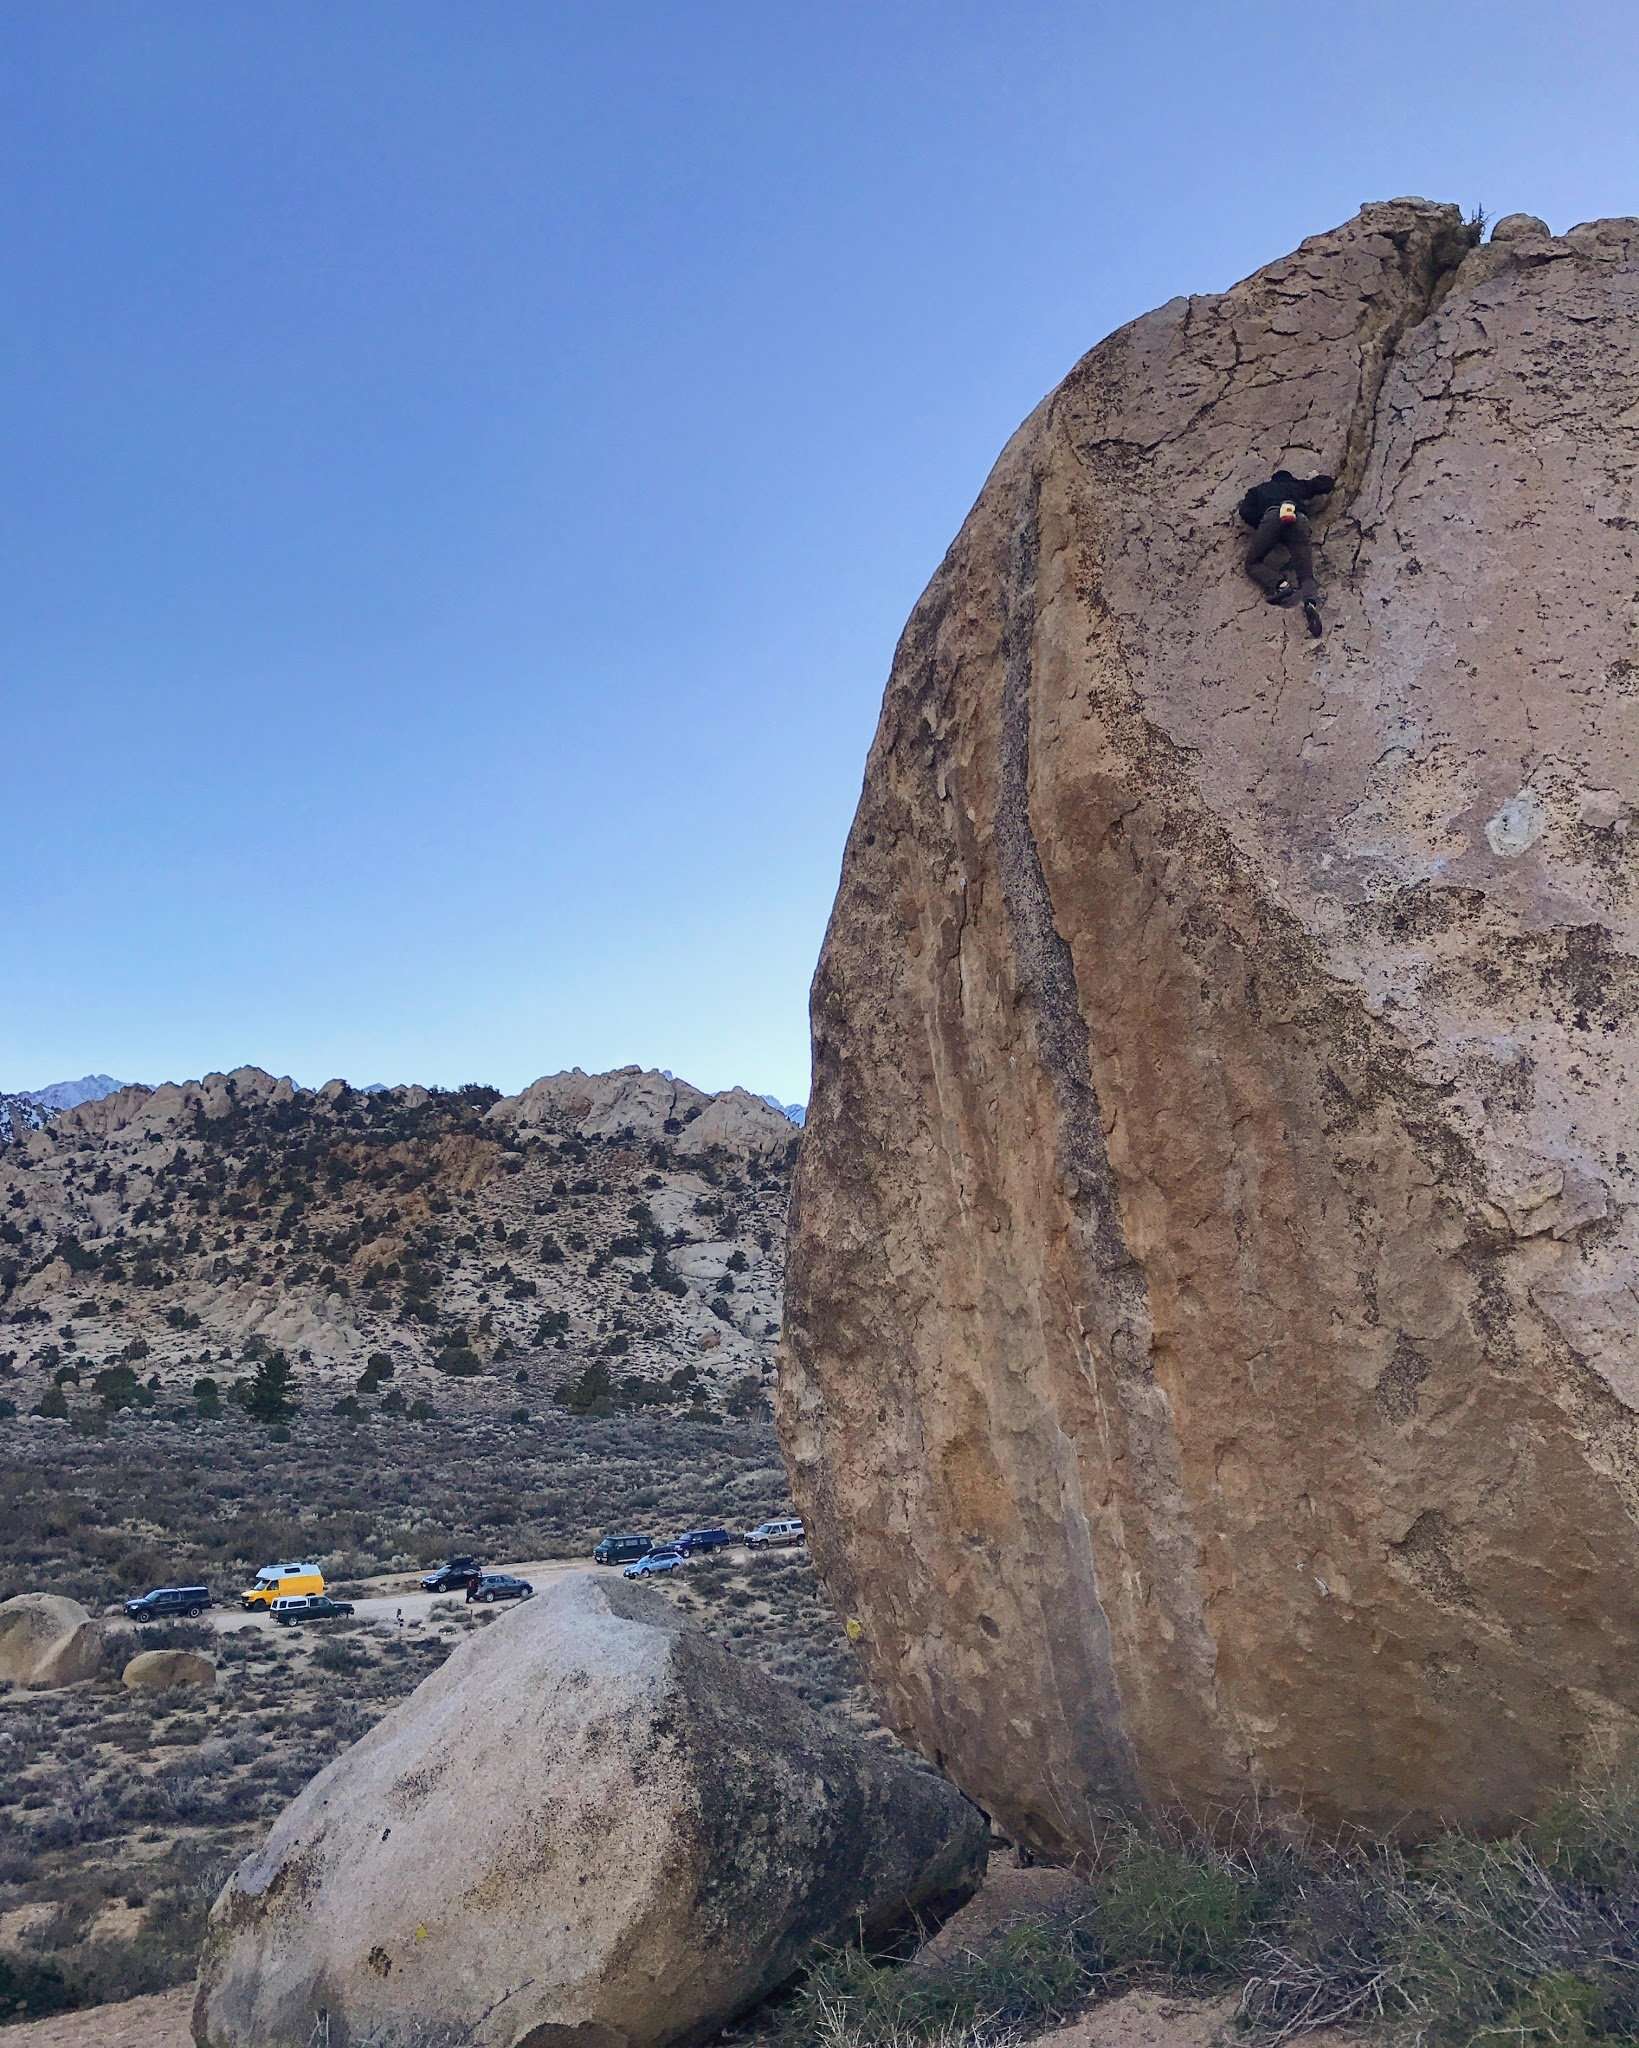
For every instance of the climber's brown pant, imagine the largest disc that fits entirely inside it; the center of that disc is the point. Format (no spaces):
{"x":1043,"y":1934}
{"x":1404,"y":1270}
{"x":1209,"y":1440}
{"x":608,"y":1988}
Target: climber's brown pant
{"x":1282,"y":553}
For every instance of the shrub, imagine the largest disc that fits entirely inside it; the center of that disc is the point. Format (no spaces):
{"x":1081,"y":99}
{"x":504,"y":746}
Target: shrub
{"x":267,"y":1397}
{"x":1037,"y":1970}
{"x":588,"y":1391}
{"x":1185,"y":1908}
{"x":31,"y":1989}
{"x":117,"y":1386}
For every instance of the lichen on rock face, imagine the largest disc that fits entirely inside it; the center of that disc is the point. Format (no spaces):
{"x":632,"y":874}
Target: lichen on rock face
{"x":1211,"y":1367}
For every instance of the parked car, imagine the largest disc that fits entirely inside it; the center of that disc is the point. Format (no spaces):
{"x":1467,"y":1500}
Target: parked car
{"x":165,"y":1603}
{"x":656,"y":1565}
{"x":452,"y":1575}
{"x":703,"y":1539}
{"x":498,"y":1586}
{"x":294,"y":1607}
{"x":621,"y":1549}
{"x":278,"y":1581}
{"x":767,"y":1534}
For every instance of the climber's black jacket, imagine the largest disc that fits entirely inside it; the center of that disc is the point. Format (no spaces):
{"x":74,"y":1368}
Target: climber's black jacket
{"x":1282,"y":485}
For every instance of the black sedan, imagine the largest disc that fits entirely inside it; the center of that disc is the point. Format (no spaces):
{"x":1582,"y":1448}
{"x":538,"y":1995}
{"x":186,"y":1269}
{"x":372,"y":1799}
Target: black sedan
{"x":497,"y":1586}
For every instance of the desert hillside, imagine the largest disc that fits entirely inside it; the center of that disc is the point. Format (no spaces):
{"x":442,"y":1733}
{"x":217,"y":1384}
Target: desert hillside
{"x":615,"y":1239}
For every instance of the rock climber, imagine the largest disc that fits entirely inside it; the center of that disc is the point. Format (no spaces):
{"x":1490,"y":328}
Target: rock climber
{"x":1280,"y":559}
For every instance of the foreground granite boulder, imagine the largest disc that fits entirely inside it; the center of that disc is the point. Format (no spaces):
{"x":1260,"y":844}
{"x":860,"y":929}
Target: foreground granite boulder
{"x":592,"y":1826}
{"x":1212,"y":1362}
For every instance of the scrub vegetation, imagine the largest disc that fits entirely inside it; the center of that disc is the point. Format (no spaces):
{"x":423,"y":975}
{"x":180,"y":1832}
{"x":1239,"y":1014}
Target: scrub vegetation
{"x":121,"y":1813}
{"x":1530,"y":1940}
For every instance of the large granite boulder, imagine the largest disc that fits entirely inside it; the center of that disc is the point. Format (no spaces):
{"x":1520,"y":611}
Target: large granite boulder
{"x":591,"y":1826}
{"x":1212,"y":1362}
{"x":48,"y":1640}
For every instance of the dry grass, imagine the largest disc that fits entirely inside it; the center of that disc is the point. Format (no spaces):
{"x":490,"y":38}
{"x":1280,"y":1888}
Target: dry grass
{"x":1530,"y":1941}
{"x":151,"y":1502}
{"x":121,"y":1813}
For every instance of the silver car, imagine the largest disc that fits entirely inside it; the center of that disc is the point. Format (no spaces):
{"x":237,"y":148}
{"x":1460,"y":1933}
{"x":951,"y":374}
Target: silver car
{"x":658,"y":1564}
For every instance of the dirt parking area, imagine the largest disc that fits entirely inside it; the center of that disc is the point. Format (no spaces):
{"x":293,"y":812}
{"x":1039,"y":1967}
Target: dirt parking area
{"x":161,"y":2021}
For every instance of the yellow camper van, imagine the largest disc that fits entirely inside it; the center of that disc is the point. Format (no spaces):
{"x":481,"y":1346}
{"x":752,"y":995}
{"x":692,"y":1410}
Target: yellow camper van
{"x":274,"y":1581}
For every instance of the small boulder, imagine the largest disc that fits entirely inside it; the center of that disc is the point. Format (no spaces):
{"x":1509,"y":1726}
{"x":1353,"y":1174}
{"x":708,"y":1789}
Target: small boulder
{"x":592,"y":1825}
{"x":1009,"y":1896}
{"x":159,"y":1670}
{"x":48,"y":1640}
{"x":1519,"y":227}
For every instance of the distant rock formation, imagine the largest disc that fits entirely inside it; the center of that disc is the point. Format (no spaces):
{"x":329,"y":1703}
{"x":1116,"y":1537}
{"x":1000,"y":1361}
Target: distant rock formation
{"x":32,"y":1109}
{"x":623,"y":1232}
{"x":20,"y":1114}
{"x":639,"y":1103}
{"x":1212,"y":1367}
{"x":793,"y":1112}
{"x":590,"y":1825}
{"x":70,"y":1094}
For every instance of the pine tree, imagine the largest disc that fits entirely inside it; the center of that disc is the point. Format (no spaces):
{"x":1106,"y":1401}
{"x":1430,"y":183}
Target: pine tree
{"x":268,"y":1398}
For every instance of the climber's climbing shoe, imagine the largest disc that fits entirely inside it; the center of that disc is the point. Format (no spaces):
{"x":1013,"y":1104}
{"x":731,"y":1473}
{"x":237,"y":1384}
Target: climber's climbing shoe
{"x":1311,"y":618}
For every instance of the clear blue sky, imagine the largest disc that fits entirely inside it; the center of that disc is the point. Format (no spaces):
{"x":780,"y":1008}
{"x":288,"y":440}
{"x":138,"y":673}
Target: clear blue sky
{"x":467,"y":465}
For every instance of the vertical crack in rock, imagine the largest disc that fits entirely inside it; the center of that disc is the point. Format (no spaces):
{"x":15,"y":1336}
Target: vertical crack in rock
{"x":1047,"y":985}
{"x":1429,"y":274}
{"x":1047,"y":974}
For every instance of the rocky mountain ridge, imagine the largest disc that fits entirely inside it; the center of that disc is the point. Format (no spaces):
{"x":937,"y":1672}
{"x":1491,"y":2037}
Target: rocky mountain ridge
{"x":617,"y":1234}
{"x":20,"y":1114}
{"x":62,"y":1095}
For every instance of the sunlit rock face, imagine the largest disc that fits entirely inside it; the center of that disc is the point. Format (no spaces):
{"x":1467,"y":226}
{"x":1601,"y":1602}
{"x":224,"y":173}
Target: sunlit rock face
{"x":1212,"y":1341}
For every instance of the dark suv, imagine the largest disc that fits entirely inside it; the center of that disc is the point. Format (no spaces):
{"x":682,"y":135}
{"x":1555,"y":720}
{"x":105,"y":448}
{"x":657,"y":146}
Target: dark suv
{"x":697,"y":1540}
{"x":299,"y":1607}
{"x":621,"y":1549}
{"x":165,"y":1603}
{"x":495,"y":1586}
{"x":453,"y":1574}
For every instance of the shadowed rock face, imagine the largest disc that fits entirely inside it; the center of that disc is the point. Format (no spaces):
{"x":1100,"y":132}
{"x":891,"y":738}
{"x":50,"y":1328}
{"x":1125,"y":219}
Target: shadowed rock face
{"x":1211,"y":1365}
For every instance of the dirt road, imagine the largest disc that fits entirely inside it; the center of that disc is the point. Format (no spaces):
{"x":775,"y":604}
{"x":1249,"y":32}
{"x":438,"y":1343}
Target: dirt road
{"x":159,"y":2021}
{"x":400,"y":1593}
